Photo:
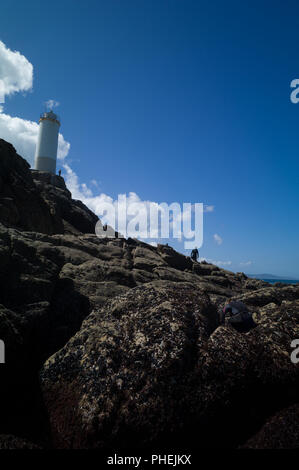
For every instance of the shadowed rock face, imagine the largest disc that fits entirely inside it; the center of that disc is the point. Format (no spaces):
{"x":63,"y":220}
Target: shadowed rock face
{"x":72,"y":216}
{"x":280,"y":431}
{"x":151,"y":367}
{"x":38,"y":201}
{"x":21,"y":204}
{"x":125,"y":336}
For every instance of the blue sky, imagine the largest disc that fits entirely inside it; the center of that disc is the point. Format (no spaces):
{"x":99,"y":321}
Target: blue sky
{"x":185,"y":101}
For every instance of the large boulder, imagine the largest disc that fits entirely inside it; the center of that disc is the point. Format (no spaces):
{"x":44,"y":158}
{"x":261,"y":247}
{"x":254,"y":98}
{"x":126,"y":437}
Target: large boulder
{"x":38,"y":201}
{"x":269,"y":294}
{"x":173,"y":258}
{"x":21,"y":204}
{"x":152,"y":367}
{"x":73,"y":215}
{"x":126,"y":377}
{"x":280,"y":431}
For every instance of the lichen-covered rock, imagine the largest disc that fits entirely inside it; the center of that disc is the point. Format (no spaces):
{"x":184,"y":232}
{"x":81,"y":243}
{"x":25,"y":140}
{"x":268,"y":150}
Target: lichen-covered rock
{"x":126,"y":376}
{"x":266,"y":295}
{"x":152,"y":364}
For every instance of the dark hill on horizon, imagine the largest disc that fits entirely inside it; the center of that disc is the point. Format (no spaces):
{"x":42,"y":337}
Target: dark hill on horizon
{"x":114,"y":343}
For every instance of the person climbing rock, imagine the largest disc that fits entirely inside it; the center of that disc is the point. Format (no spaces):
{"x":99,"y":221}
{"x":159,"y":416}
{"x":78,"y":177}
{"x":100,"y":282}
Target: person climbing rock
{"x":194,"y":254}
{"x":236,"y":314}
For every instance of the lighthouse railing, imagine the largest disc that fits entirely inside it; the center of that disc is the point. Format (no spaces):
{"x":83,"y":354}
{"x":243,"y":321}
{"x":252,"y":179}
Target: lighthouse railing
{"x":46,"y":116}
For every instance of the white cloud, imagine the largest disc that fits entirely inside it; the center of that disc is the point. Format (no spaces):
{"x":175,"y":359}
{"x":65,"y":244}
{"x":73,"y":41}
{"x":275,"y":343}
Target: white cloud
{"x":82,"y":192}
{"x":51,"y":104}
{"x":95,"y":183}
{"x":137,"y":218}
{"x":16,"y":75}
{"x":16,"y":72}
{"x":131,"y":205}
{"x":218,"y":263}
{"x":217,"y":239}
{"x":223,"y":263}
{"x":246,"y":263}
{"x":96,"y":202}
{"x":209,"y":208}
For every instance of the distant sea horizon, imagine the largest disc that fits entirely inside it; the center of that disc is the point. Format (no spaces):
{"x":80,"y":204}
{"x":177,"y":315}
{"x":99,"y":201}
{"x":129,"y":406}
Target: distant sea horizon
{"x":272,"y":279}
{"x":283,"y":281}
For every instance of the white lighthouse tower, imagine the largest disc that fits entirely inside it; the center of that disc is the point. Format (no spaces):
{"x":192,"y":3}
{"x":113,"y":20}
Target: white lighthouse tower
{"x":47,"y":143}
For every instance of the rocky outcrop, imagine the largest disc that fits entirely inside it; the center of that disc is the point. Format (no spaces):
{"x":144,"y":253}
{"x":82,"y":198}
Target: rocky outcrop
{"x":116,"y":342}
{"x":153,"y":365}
{"x":72,"y":216}
{"x":21,"y":204}
{"x":134,"y":360}
{"x":38,"y":201}
{"x":280,"y":431}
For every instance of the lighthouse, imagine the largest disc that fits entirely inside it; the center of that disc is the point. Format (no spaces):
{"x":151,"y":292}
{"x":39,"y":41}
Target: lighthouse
{"x":47,"y":142}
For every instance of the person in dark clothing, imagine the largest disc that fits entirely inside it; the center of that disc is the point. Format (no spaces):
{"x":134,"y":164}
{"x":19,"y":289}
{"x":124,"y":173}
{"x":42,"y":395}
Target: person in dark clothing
{"x":237,"y":315}
{"x":59,"y":173}
{"x":194,"y":254}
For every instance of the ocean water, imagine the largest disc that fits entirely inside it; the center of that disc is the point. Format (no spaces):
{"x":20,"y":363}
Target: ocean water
{"x":283,"y":281}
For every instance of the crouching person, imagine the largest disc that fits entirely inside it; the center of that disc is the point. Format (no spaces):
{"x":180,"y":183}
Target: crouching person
{"x":236,"y":314}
